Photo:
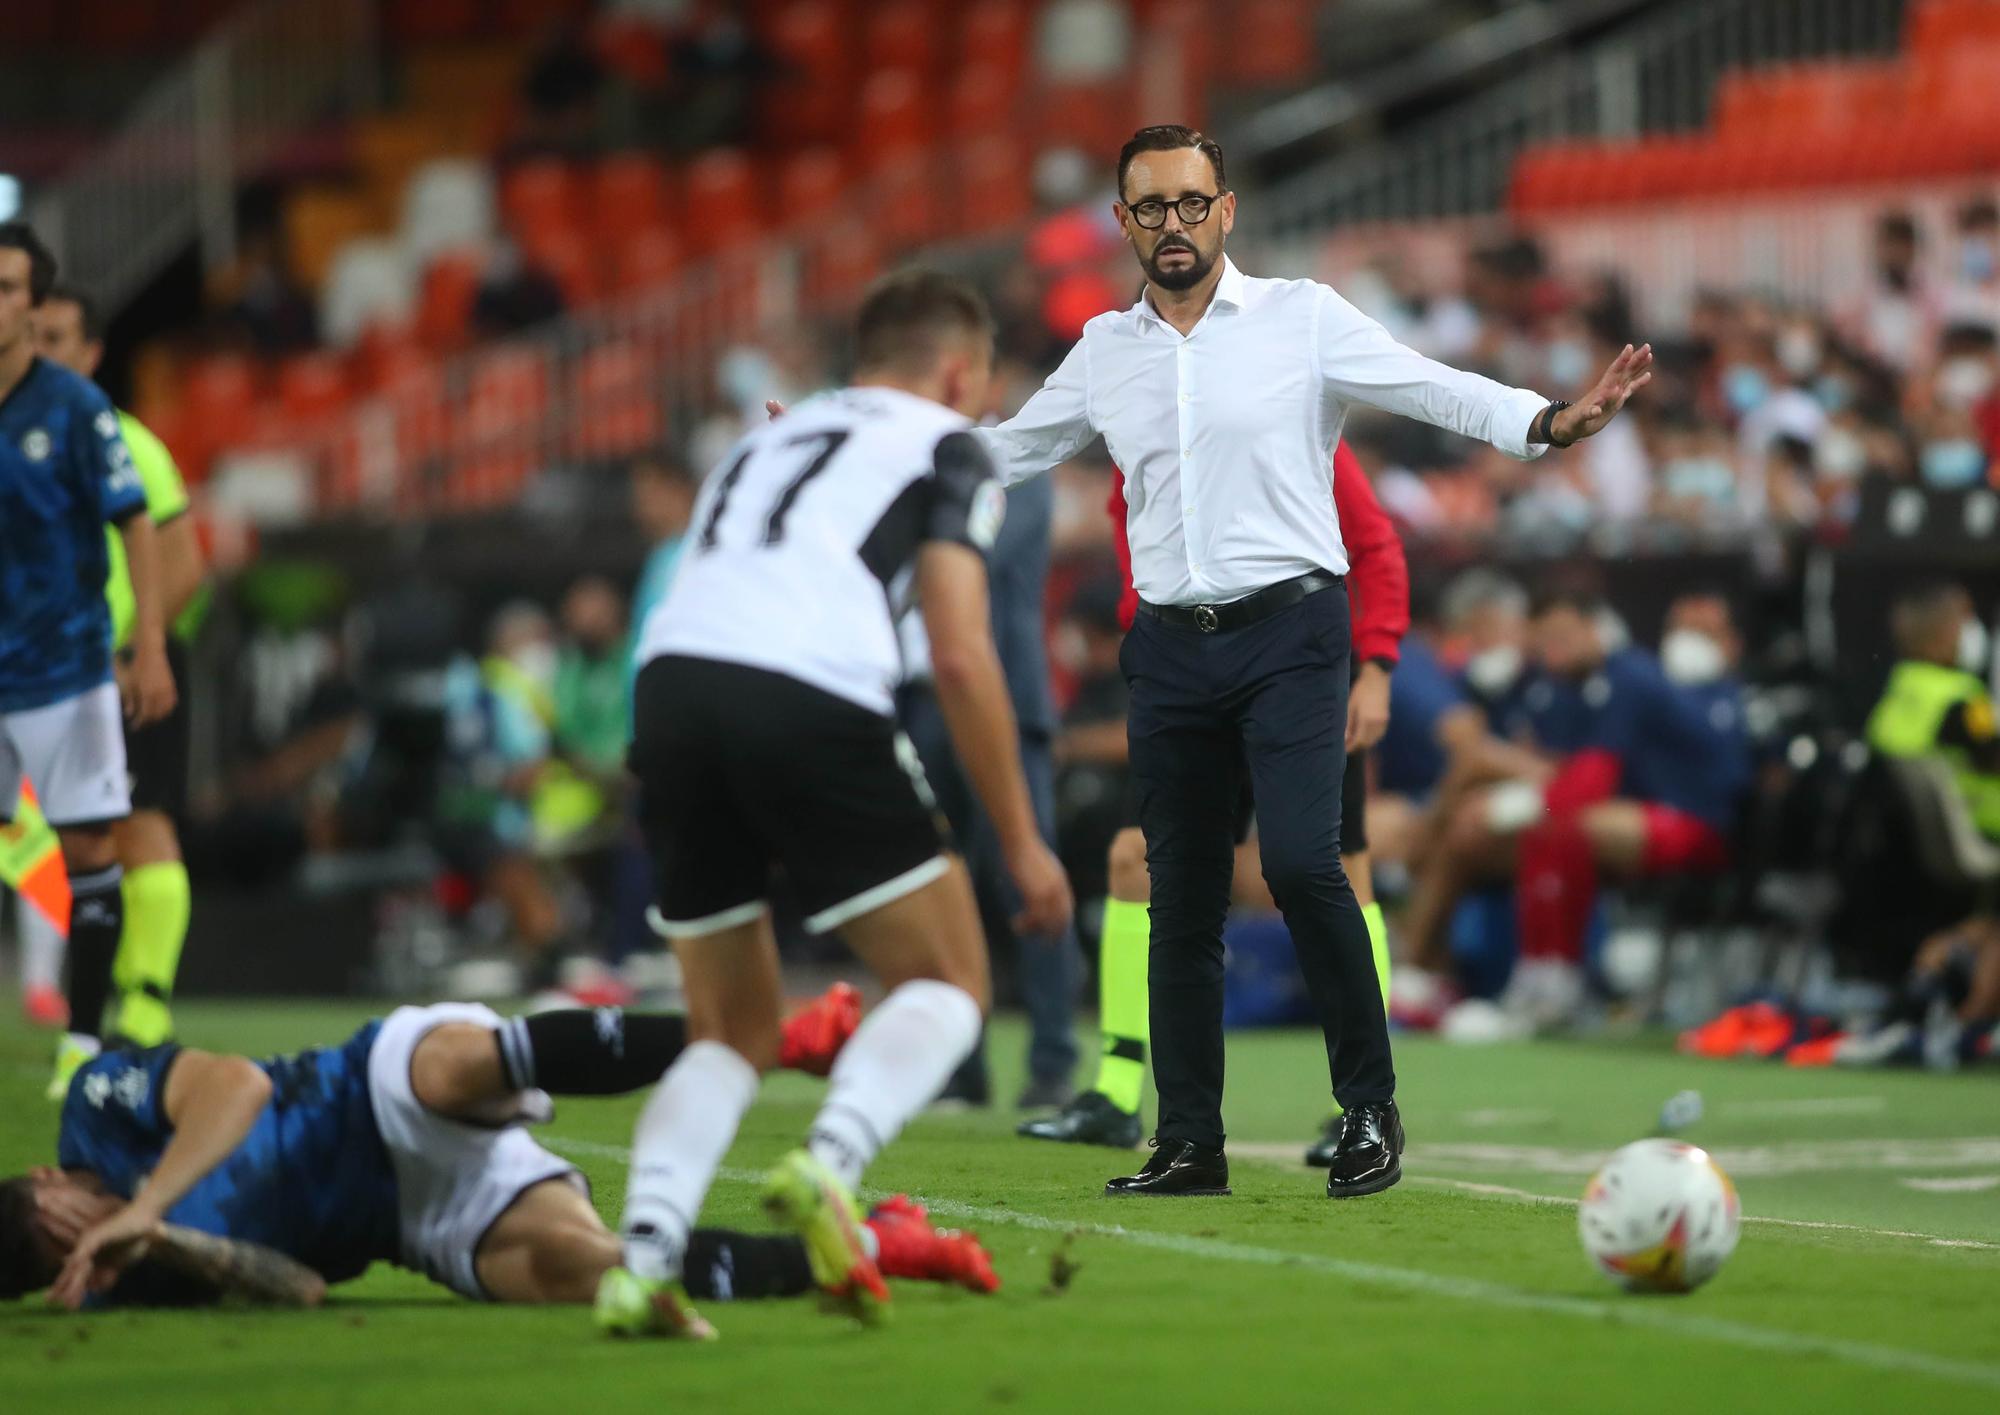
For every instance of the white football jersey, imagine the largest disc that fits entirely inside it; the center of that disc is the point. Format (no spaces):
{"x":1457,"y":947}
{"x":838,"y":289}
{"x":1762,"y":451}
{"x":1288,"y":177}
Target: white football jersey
{"x":800,"y":554}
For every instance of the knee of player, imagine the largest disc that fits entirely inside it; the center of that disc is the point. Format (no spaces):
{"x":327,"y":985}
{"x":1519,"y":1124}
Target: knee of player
{"x":1289,"y":871}
{"x":456,"y":1067}
{"x":1128,"y":878}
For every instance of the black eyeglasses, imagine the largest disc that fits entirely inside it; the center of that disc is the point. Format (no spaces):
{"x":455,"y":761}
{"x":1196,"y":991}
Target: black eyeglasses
{"x":1153,"y":214}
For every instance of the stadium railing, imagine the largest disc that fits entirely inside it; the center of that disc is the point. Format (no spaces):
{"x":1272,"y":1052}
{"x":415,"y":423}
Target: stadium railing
{"x":171,"y":174}
{"x":1659,"y":75}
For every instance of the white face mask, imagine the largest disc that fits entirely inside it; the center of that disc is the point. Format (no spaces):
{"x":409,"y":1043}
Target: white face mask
{"x":1492,"y":671}
{"x":1689,"y":657}
{"x":1973,"y":646}
{"x":1839,"y":455}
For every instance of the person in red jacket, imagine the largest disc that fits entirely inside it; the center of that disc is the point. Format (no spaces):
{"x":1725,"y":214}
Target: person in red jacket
{"x":1378,"y":587}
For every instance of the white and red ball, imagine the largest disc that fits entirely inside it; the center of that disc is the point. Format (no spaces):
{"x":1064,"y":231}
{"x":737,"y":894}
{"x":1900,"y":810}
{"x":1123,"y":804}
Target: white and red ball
{"x":1660,"y":1216}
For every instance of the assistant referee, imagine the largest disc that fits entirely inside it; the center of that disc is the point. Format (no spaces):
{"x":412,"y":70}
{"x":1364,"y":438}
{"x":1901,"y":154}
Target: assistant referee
{"x":1222,"y":397}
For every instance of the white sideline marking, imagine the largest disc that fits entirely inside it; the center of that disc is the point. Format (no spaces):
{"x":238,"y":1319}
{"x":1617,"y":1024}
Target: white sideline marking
{"x":1969,"y":1184}
{"x":1790,"y":1157}
{"x":1523,"y":1196}
{"x":1608,"y":1312}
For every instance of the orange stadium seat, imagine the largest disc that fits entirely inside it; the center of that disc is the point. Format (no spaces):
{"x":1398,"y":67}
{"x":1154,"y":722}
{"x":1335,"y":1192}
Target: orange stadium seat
{"x":311,"y":387}
{"x":811,"y":103}
{"x":982,"y":102}
{"x":645,"y":260}
{"x":723,"y":206}
{"x":318,"y":221}
{"x":996,"y":32}
{"x":894,"y":122}
{"x":994,"y":190}
{"x":811,"y":187}
{"x":902,"y":34}
{"x":542,"y":195}
{"x":617,"y":400}
{"x":444,"y":306}
{"x":628,"y":193}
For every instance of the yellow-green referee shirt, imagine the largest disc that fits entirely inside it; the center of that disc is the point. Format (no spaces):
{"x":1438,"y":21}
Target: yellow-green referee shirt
{"x":166,"y":498}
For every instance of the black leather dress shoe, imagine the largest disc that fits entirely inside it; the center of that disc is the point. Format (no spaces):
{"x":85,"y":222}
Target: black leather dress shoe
{"x":1368,"y":1158}
{"x":1090,"y":1119}
{"x":1179,"y":1168}
{"x":1320,"y":1153}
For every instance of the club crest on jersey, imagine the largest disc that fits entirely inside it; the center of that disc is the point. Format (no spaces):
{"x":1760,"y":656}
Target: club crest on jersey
{"x":36,"y":446}
{"x":986,"y":515}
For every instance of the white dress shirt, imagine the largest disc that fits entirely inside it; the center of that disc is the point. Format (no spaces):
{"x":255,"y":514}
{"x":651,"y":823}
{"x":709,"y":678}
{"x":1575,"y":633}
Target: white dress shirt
{"x":1226,"y":435}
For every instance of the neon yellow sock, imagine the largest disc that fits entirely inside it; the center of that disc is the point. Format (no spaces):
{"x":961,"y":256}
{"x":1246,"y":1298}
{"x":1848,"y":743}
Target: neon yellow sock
{"x":1123,"y":1006}
{"x":157,"y":904}
{"x":1378,"y":943}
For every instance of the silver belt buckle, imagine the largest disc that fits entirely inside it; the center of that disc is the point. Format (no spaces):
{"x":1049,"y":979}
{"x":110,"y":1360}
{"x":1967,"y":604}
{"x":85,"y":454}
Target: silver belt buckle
{"x":1204,"y":618}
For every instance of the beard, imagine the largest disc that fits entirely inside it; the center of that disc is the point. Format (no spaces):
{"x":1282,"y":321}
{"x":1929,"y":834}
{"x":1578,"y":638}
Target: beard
{"x":1183,"y":277}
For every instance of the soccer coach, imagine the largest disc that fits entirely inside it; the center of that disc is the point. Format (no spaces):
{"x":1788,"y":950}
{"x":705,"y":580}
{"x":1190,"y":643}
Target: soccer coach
{"x":1222,"y":396}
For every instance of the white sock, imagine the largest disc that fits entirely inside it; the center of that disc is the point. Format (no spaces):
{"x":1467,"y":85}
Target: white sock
{"x":893,"y":1067}
{"x":41,"y":947}
{"x":683,"y":1133}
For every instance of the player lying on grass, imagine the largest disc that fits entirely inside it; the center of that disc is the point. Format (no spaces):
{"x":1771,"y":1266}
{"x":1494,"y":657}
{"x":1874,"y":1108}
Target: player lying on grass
{"x":186,"y":1176}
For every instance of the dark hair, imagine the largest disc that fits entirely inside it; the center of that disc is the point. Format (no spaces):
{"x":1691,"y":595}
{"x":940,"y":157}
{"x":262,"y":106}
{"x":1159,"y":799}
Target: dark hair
{"x":87,"y":308}
{"x":1567,"y":594}
{"x":24,"y":1267}
{"x":20,"y":236}
{"x":907,"y":314}
{"x":1170,"y":137}
{"x":1897,"y":225}
{"x":1980,"y":211}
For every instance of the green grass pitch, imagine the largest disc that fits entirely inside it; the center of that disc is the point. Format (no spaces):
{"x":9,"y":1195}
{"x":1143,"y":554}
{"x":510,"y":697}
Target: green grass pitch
{"x":1868,"y":1276}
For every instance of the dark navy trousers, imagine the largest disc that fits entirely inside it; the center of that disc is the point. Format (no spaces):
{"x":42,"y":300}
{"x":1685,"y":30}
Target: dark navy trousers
{"x":1272,"y":695}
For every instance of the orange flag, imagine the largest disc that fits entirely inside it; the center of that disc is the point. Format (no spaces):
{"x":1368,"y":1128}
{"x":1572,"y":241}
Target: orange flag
{"x":31,"y":860}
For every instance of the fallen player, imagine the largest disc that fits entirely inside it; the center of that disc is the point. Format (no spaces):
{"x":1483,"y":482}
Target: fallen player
{"x":186,"y":1176}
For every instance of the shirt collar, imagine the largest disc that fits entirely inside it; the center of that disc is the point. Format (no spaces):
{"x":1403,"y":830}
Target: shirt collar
{"x":1229,"y":290}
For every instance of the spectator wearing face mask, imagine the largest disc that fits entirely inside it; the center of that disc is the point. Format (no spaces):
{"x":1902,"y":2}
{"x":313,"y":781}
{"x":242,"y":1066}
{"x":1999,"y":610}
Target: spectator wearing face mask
{"x":1897,"y":314}
{"x":1935,"y":703}
{"x":1651,"y":789}
{"x":1953,"y":452}
{"x":1973,"y":296}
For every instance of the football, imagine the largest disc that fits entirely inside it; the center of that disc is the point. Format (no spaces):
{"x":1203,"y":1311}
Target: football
{"x":1660,"y":1216}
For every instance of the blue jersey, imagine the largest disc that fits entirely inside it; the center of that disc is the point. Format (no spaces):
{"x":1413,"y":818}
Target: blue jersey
{"x":1687,"y":748}
{"x":311,"y":1179}
{"x":1409,"y":760}
{"x":64,"y":473}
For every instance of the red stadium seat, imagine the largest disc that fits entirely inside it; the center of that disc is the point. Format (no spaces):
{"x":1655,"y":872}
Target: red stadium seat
{"x":497,"y":436}
{"x":982,"y":102}
{"x":996,"y":32}
{"x":995,"y":187}
{"x":541,"y":195}
{"x":646,"y":260}
{"x":902,"y":34}
{"x":895,"y":120}
{"x":1940,"y":26}
{"x":312,"y":387}
{"x":628,"y":194}
{"x":840,"y":264}
{"x":568,"y":258}
{"x":903,"y":200}
{"x":220,"y":394}
{"x":444,"y":307}
{"x":615,"y":400}
{"x":1095,"y":117}
{"x":811,"y":104}
{"x":1270,"y":42}
{"x":723,"y":206}
{"x":811,"y":187}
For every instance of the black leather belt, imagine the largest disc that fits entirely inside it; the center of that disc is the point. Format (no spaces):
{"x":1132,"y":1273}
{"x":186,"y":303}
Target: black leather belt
{"x":1219,"y":618}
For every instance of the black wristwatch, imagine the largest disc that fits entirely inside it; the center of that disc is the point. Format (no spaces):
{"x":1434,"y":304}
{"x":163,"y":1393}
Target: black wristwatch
{"x":1543,"y":429}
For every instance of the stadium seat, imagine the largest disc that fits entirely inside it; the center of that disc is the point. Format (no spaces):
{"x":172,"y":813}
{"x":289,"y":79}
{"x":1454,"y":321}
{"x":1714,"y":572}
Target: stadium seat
{"x":646,"y":260}
{"x":903,"y":200}
{"x":497,"y":432}
{"x":370,"y":283}
{"x":894,"y":121}
{"x":460,"y":76}
{"x":723,"y":207}
{"x":540,"y":196}
{"x":319,"y":221}
{"x":1095,"y":117}
{"x":311,"y":387}
{"x":220,"y":395}
{"x":901,"y":34}
{"x":981,"y":103}
{"x":839,"y":265}
{"x":628,"y":194}
{"x":1082,"y":42}
{"x":1940,"y":26}
{"x":996,"y":32}
{"x":447,"y":205}
{"x":811,"y":186}
{"x":617,"y":402}
{"x":994,"y":191}
{"x":810,"y":39}
{"x":444,"y":312}
{"x":1271,"y":42}
{"x":571,"y":260}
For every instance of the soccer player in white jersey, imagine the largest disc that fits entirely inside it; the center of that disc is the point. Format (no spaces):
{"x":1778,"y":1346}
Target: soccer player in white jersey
{"x":764,"y":735}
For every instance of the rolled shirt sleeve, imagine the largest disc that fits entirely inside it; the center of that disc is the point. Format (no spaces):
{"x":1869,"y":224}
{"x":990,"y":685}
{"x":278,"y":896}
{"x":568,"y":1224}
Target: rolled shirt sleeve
{"x":1361,"y":363}
{"x":1052,"y":426}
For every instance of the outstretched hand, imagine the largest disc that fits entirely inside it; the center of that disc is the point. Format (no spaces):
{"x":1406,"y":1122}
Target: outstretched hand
{"x":1629,"y":372}
{"x":774,"y":408}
